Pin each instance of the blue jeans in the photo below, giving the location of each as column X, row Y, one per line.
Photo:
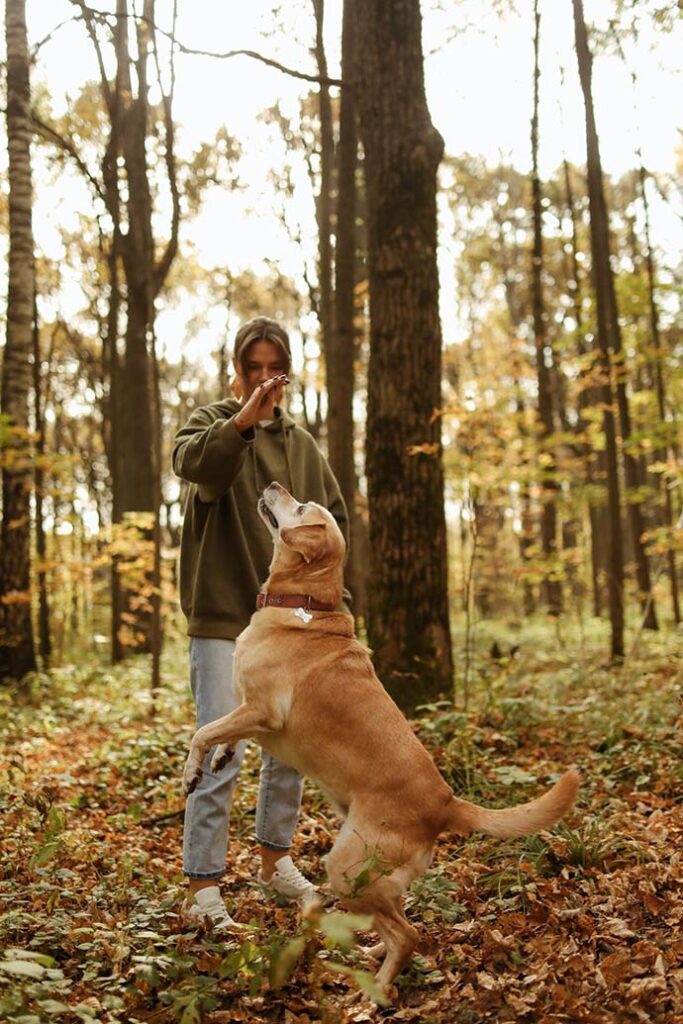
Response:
column 207, row 811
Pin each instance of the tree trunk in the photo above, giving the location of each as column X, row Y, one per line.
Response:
column 600, row 231
column 408, row 623
column 133, row 440
column 44, row 640
column 138, row 261
column 17, row 654
column 552, row 588
column 601, row 272
column 340, row 354
column 588, row 396
column 660, row 454
column 324, row 199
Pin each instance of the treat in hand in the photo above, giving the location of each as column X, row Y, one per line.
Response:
column 259, row 404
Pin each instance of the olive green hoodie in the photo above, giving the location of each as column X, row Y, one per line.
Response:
column 226, row 548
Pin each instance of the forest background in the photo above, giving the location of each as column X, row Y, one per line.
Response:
column 481, row 277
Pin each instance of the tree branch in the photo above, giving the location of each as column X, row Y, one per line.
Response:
column 106, row 17
column 50, row 135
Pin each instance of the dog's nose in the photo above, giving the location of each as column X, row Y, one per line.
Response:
column 274, row 491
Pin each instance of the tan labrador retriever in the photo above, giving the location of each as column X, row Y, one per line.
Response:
column 311, row 697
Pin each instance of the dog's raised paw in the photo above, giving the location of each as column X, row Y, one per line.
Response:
column 222, row 756
column 191, row 778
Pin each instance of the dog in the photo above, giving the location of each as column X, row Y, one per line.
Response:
column 311, row 697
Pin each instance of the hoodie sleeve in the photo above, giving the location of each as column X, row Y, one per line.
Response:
column 209, row 451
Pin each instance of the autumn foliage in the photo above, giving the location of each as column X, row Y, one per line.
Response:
column 580, row 923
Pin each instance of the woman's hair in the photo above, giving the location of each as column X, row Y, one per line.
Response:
column 261, row 328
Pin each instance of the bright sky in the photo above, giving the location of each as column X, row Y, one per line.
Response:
column 479, row 91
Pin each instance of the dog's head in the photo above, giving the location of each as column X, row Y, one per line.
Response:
column 309, row 546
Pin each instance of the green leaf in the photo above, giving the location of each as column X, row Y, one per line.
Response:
column 366, row 982
column 510, row 774
column 29, row 954
column 44, row 854
column 23, row 968
column 53, row 1006
column 284, row 962
column 340, row 929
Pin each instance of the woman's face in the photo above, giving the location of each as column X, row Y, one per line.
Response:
column 261, row 361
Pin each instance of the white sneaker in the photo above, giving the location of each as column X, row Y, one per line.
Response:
column 208, row 909
column 286, row 880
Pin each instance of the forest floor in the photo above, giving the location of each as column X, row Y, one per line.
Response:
column 582, row 923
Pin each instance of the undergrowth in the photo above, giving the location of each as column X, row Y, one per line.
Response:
column 90, row 868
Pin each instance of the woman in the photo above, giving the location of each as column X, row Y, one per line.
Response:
column 228, row 452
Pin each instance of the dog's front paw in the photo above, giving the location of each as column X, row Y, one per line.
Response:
column 192, row 774
column 222, row 755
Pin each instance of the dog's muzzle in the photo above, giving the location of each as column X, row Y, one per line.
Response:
column 267, row 513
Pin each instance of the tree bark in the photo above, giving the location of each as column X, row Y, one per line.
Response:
column 17, row 653
column 408, row 623
column 588, row 396
column 552, row 588
column 661, row 453
column 133, row 444
column 324, row 202
column 44, row 640
column 611, row 323
column 601, row 273
column 340, row 354
column 138, row 260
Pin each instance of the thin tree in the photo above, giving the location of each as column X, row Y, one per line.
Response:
column 601, row 273
column 661, row 453
column 134, row 442
column 44, row 638
column 340, row 354
column 324, row 200
column 588, row 396
column 606, row 295
column 408, row 624
column 552, row 588
column 17, row 654
column 657, row 360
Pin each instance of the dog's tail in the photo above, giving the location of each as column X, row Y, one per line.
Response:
column 546, row 810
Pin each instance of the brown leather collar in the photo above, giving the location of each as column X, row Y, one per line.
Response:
column 293, row 601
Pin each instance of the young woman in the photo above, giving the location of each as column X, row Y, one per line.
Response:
column 228, row 452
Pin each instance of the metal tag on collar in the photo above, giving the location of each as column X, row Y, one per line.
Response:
column 304, row 613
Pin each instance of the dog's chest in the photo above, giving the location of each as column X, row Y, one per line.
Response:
column 257, row 668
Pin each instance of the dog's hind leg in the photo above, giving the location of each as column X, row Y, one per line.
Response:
column 370, row 884
column 398, row 937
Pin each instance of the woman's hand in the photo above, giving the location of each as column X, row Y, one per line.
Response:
column 261, row 402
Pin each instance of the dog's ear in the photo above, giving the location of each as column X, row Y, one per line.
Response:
column 308, row 539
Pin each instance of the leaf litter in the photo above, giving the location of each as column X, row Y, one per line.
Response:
column 582, row 923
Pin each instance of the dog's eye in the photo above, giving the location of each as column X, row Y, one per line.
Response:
column 301, row 509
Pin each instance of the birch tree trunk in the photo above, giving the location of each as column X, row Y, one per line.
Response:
column 17, row 654
column 408, row 625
